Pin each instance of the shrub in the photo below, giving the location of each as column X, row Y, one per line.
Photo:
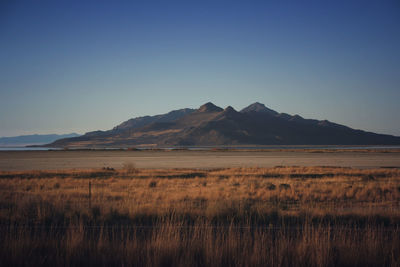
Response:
column 284, row 186
column 271, row 186
column 129, row 167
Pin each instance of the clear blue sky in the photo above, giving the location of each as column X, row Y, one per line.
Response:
column 76, row 66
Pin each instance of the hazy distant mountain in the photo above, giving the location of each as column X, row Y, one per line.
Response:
column 213, row 126
column 34, row 139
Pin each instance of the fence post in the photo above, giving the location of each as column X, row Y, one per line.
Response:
column 90, row 194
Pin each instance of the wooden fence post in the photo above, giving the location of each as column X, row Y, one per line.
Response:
column 90, row 194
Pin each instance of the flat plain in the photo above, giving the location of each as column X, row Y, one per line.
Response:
column 87, row 159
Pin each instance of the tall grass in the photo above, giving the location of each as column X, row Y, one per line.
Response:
column 201, row 244
column 283, row 216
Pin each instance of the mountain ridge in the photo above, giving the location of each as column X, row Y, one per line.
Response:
column 32, row 139
column 210, row 125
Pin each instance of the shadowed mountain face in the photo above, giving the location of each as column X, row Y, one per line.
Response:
column 213, row 126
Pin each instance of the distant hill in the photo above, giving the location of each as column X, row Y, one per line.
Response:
column 34, row 139
column 213, row 126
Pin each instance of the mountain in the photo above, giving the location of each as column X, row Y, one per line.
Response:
column 34, row 139
column 142, row 121
column 258, row 107
column 210, row 125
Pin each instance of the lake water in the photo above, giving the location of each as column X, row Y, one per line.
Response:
column 26, row 148
column 218, row 147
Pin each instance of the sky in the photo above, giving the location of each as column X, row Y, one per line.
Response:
column 79, row 66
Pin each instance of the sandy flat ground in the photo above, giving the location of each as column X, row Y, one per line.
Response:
column 52, row 160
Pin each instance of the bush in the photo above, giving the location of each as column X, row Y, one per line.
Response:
column 129, row 167
column 284, row 186
column 271, row 186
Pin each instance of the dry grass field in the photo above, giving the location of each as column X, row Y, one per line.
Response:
column 281, row 216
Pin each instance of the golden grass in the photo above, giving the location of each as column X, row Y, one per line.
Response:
column 318, row 190
column 282, row 216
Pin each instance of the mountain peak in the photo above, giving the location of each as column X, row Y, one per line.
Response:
column 209, row 107
column 258, row 107
column 229, row 109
